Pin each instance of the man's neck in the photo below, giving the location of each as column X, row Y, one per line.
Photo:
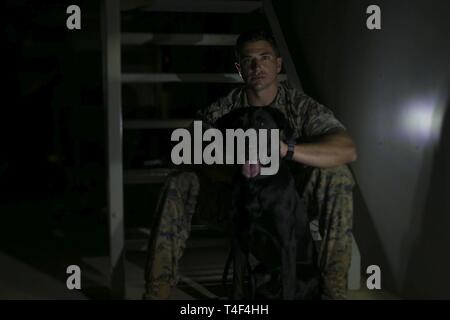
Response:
column 263, row 97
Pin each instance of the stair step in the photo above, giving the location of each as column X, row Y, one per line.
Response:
column 181, row 77
column 142, row 244
column 179, row 39
column 157, row 124
column 218, row 6
column 185, row 77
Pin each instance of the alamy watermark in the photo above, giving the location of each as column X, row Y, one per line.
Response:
column 373, row 22
column 374, row 280
column 74, row 20
column 235, row 140
column 74, row 279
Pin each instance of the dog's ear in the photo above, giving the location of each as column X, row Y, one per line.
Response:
column 287, row 132
column 224, row 122
column 232, row 120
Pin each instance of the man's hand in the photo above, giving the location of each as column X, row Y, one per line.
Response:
column 283, row 149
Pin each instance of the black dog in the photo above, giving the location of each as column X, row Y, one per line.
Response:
column 270, row 230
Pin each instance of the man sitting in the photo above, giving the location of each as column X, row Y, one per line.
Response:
column 326, row 183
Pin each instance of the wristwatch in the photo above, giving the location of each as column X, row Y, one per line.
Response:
column 290, row 152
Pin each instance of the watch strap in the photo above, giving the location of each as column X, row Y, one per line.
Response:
column 290, row 152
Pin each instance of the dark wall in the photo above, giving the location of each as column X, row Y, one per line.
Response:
column 390, row 88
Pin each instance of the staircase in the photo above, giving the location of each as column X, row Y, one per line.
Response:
column 151, row 51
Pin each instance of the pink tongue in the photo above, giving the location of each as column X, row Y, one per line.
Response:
column 250, row 170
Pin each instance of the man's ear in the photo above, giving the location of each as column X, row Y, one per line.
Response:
column 279, row 64
column 238, row 68
column 278, row 117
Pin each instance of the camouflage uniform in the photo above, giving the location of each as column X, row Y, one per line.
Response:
column 327, row 192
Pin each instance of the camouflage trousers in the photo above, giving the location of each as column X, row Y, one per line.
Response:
column 328, row 196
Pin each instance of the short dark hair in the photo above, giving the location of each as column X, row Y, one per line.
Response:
column 252, row 36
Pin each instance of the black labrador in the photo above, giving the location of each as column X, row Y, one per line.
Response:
column 271, row 239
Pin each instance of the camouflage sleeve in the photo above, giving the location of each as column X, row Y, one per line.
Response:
column 317, row 119
column 210, row 114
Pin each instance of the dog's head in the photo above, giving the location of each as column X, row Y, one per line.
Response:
column 256, row 118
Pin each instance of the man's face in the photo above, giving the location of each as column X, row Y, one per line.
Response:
column 259, row 65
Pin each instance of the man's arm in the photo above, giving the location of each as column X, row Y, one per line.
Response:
column 329, row 150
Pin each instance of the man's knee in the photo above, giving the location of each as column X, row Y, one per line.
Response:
column 177, row 199
column 183, row 180
column 339, row 177
column 323, row 184
column 183, row 186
